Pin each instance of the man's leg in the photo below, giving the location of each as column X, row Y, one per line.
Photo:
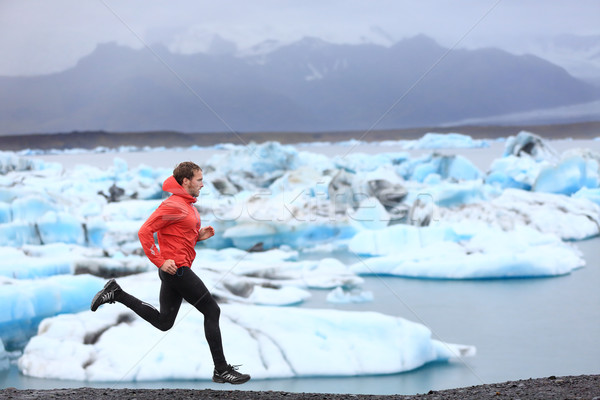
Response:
column 193, row 290
column 170, row 301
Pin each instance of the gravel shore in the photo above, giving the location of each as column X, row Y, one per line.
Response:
column 585, row 387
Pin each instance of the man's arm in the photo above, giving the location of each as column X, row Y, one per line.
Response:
column 153, row 224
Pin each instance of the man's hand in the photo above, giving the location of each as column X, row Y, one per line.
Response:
column 169, row 267
column 206, row 232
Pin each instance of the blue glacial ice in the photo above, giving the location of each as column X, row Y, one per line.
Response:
column 476, row 252
column 24, row 303
column 4, row 358
column 434, row 140
column 589, row 194
column 568, row 176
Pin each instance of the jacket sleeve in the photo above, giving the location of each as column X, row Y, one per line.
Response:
column 157, row 220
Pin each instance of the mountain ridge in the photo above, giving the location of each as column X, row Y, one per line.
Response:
column 310, row 85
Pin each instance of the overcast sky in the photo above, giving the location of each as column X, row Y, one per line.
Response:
column 42, row 36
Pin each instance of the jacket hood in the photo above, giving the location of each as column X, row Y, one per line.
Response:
column 172, row 186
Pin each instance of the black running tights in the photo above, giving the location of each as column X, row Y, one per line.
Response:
column 185, row 284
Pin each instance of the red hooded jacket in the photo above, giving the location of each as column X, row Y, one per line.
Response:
column 177, row 224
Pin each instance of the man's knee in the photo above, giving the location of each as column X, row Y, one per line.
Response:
column 165, row 325
column 213, row 312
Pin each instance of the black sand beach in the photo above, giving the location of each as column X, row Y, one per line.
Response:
column 569, row 387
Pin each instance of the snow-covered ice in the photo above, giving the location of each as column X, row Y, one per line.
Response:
column 271, row 342
column 479, row 253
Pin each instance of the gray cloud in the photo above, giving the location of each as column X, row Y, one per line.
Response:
column 38, row 36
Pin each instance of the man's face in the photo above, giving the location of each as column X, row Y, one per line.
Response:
column 193, row 186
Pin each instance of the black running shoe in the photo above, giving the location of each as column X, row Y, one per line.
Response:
column 106, row 295
column 230, row 375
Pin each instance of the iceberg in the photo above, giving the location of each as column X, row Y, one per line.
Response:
column 60, row 227
column 17, row 264
column 234, row 272
column 447, row 167
column 527, row 144
column 479, row 252
column 569, row 176
column 341, row 296
column 400, row 238
column 570, row 218
column 514, row 172
column 434, row 140
column 530, row 163
column 451, row 194
column 24, row 303
column 30, row 208
column 10, row 161
column 590, row 194
column 271, row 342
column 4, row 360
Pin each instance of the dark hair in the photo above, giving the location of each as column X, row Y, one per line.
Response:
column 184, row 170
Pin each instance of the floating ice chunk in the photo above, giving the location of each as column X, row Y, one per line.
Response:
column 18, row 233
column 568, row 176
column 10, row 161
column 450, row 194
column 286, row 219
column 61, row 227
column 5, row 213
column 445, row 141
column 399, row 238
column 370, row 214
column 273, row 269
column 514, row 172
column 570, row 218
column 259, row 164
column 527, row 144
column 590, row 194
column 488, row 253
column 270, row 342
column 118, row 265
column 305, row 178
column 4, row 361
column 7, row 195
column 328, row 273
column 341, row 296
column 31, row 208
column 95, row 229
column 23, row 304
column 248, row 234
column 130, row 210
column 360, row 162
column 286, row 296
column 453, row 167
column 18, row 265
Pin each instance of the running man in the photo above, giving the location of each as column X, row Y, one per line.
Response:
column 177, row 224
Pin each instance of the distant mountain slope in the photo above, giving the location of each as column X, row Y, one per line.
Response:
column 310, row 85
